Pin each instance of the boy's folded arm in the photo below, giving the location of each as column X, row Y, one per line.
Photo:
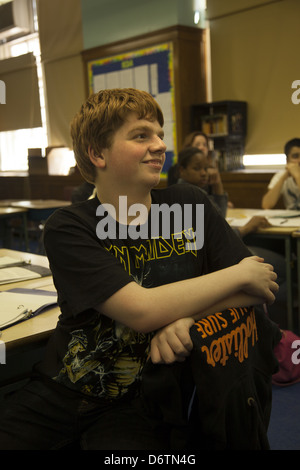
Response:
column 148, row 309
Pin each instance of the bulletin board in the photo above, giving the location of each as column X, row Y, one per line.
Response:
column 149, row 69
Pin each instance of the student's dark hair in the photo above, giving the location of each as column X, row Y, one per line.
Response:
column 184, row 157
column 291, row 143
column 186, row 154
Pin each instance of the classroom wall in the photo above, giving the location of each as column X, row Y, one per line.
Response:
column 254, row 50
column 106, row 21
column 68, row 28
column 254, row 58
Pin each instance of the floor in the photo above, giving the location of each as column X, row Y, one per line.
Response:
column 284, row 428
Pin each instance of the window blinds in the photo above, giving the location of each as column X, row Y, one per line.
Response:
column 22, row 103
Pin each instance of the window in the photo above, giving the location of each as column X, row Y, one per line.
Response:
column 14, row 144
column 267, row 161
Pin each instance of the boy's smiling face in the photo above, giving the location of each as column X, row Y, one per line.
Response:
column 137, row 154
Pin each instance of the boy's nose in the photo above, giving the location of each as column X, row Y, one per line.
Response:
column 158, row 145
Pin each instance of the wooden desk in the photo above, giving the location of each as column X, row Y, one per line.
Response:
column 37, row 328
column 38, row 209
column 25, row 342
column 286, row 235
column 38, row 204
column 34, row 203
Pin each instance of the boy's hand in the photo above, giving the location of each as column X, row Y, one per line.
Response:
column 294, row 170
column 214, row 176
column 214, row 179
column 261, row 278
column 173, row 342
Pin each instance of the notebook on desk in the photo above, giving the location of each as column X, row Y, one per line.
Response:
column 14, row 270
column 17, row 305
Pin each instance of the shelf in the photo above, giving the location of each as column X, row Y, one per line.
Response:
column 225, row 123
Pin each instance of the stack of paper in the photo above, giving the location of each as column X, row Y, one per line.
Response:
column 15, row 270
column 276, row 217
column 20, row 304
column 16, row 274
column 279, row 217
column 8, row 261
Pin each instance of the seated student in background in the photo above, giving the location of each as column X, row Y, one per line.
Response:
column 286, row 183
column 120, row 299
column 197, row 139
column 193, row 168
column 200, row 140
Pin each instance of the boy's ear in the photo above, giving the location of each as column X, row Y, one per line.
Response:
column 96, row 158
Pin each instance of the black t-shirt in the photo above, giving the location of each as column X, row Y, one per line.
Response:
column 88, row 351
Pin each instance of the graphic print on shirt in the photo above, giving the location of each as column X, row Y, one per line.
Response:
column 107, row 358
column 226, row 336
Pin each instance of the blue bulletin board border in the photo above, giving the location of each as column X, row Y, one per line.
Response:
column 160, row 55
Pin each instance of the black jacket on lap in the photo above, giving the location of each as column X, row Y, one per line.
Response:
column 220, row 397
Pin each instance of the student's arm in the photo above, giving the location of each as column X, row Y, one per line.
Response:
column 270, row 199
column 215, row 181
column 146, row 310
column 255, row 223
column 173, row 342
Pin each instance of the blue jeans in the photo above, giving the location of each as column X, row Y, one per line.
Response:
column 39, row 417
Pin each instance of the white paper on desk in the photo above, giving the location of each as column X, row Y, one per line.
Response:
column 238, row 222
column 281, row 217
column 6, row 261
column 282, row 222
column 275, row 222
column 278, row 213
column 14, row 303
column 16, row 274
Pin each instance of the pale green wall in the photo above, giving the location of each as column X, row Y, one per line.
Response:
column 106, row 21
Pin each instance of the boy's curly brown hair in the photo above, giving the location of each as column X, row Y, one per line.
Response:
column 101, row 116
